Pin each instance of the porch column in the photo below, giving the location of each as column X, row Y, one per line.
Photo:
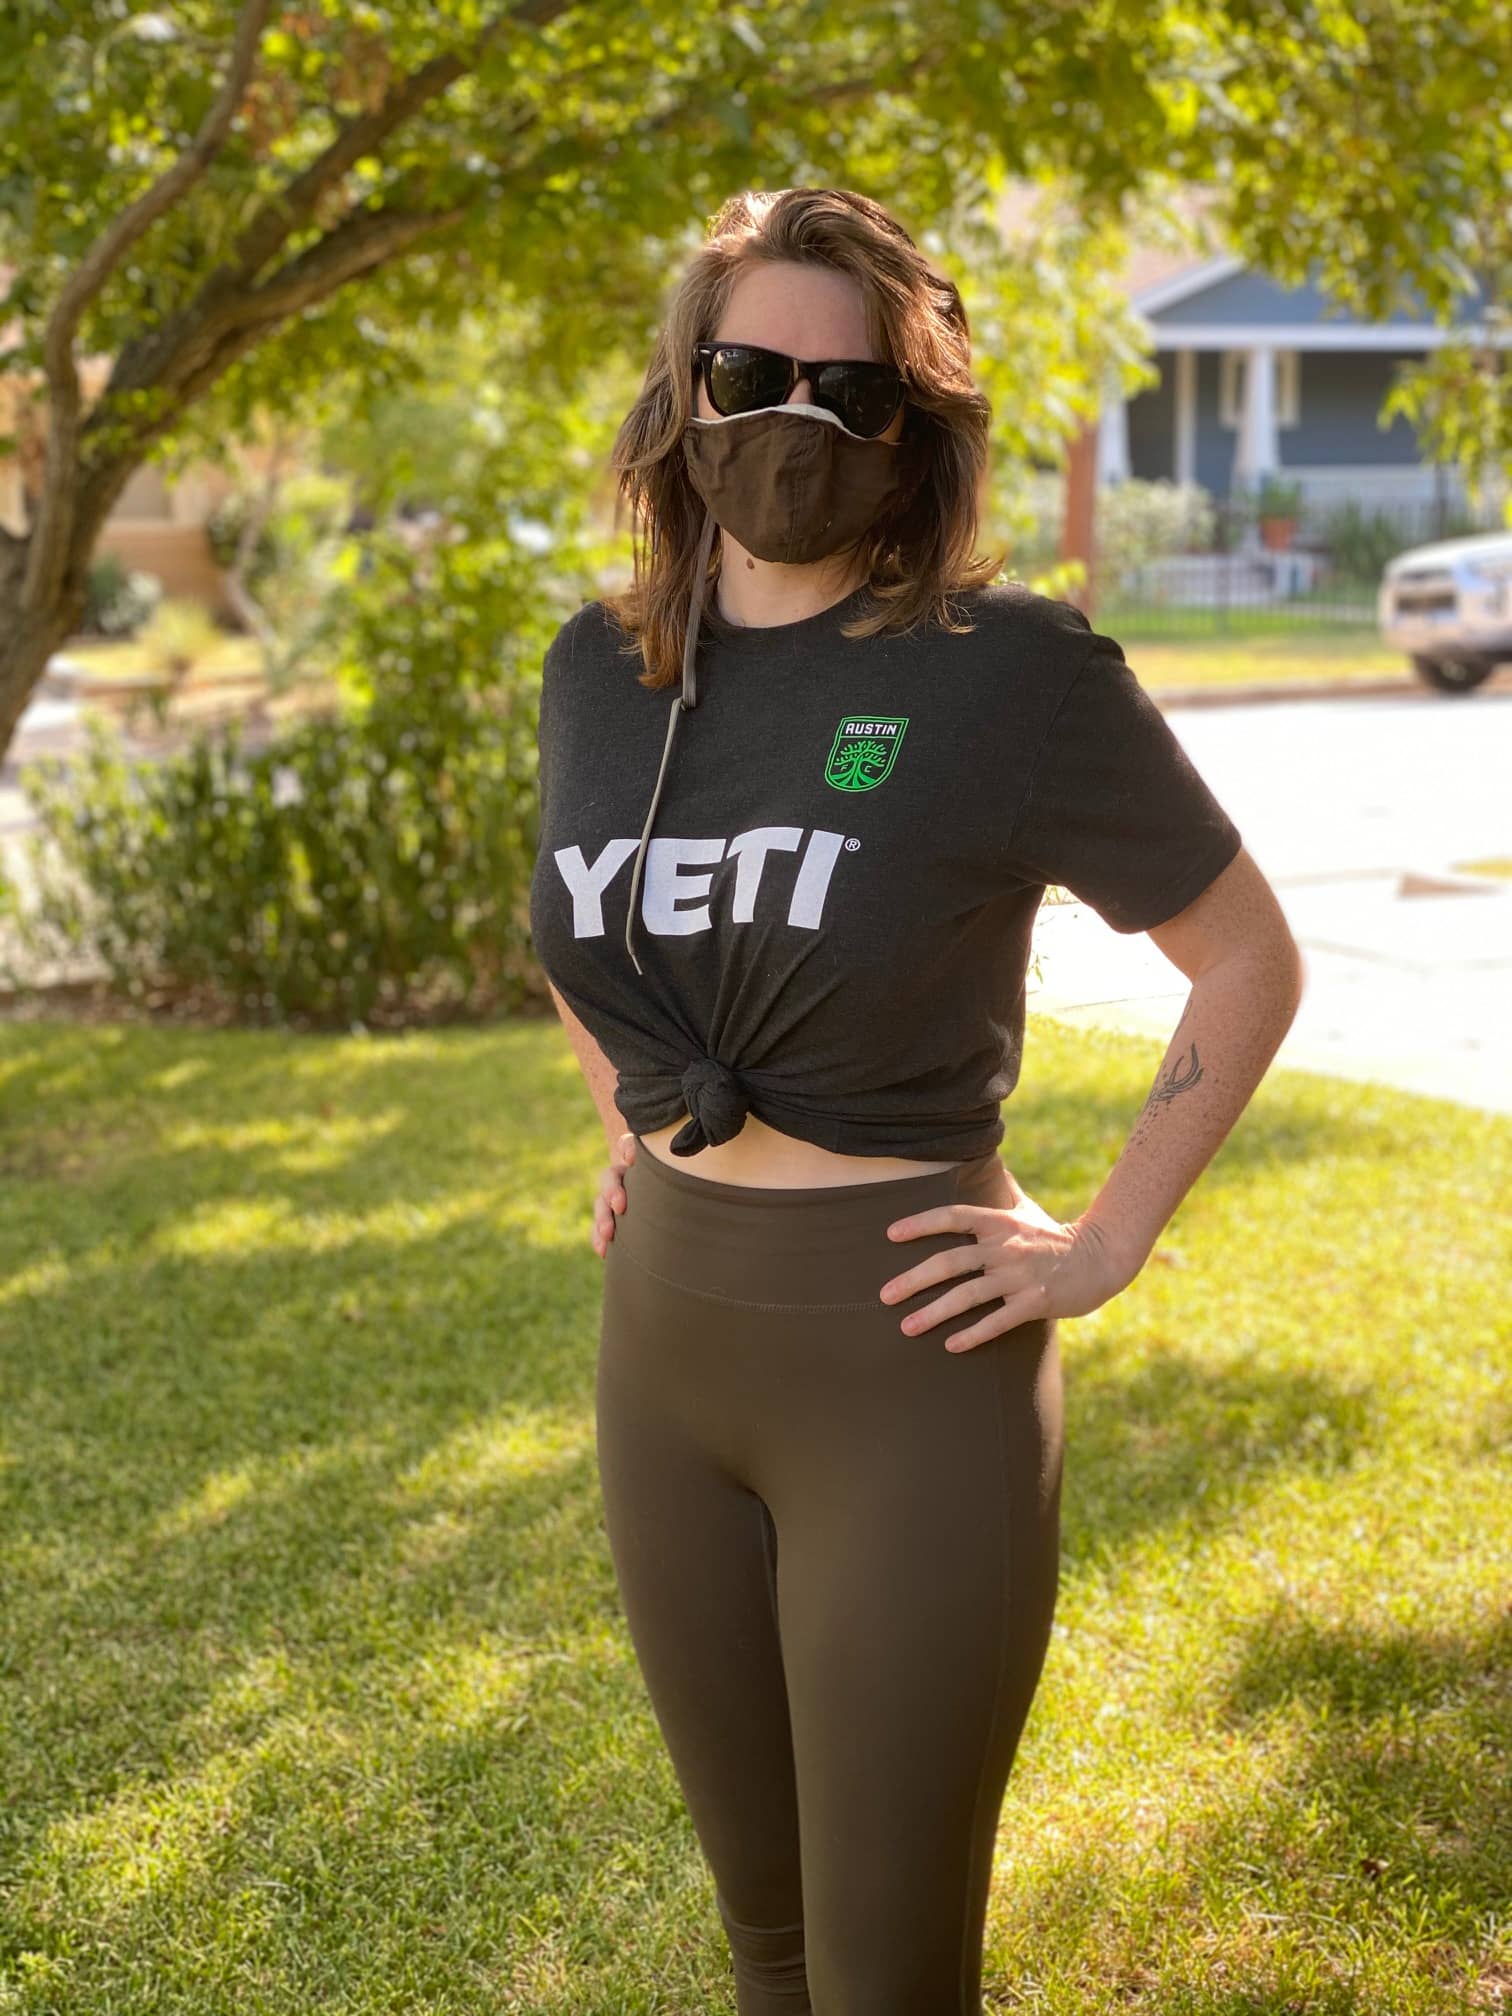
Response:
column 1184, row 458
column 1112, row 434
column 1258, row 452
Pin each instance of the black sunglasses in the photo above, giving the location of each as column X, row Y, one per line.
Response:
column 740, row 377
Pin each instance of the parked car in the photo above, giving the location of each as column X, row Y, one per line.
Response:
column 1449, row 607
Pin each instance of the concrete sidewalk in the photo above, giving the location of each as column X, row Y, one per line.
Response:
column 1355, row 811
column 1414, row 992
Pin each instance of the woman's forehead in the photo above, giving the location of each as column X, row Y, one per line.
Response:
column 806, row 310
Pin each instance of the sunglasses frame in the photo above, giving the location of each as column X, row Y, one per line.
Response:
column 797, row 367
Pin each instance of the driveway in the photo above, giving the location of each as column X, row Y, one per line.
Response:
column 1353, row 808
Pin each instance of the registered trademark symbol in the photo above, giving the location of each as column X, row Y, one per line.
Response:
column 851, row 846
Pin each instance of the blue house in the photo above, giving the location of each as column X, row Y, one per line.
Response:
column 1257, row 379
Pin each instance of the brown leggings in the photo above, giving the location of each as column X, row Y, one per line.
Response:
column 838, row 1549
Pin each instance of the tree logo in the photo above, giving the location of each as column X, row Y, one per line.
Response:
column 864, row 750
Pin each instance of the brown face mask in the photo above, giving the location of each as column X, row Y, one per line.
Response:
column 792, row 482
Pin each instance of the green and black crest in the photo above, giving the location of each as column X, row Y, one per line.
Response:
column 864, row 751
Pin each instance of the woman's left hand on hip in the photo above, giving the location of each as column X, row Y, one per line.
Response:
column 1039, row 1267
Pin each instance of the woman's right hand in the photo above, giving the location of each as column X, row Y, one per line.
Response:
column 611, row 1194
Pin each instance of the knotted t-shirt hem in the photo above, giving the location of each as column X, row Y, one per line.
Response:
column 934, row 1142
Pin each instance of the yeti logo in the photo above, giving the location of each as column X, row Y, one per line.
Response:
column 863, row 751
column 674, row 893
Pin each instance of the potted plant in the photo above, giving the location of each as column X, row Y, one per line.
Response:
column 1276, row 508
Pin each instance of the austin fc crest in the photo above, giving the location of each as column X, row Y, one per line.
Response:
column 864, row 751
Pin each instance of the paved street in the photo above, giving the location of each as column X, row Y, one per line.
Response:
column 1342, row 802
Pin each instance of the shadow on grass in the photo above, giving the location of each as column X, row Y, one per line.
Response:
column 311, row 1624
column 1360, row 1868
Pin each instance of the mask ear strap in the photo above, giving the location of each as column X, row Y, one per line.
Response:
column 687, row 699
column 695, row 611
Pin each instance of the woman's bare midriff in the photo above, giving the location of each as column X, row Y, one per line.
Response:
column 760, row 1156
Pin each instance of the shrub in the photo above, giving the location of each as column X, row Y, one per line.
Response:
column 223, row 529
column 1137, row 521
column 118, row 599
column 177, row 635
column 1360, row 542
column 363, row 868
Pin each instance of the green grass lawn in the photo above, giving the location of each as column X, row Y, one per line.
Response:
column 230, row 656
column 316, row 1690
column 1178, row 649
column 1167, row 648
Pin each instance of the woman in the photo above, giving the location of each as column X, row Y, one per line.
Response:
column 787, row 921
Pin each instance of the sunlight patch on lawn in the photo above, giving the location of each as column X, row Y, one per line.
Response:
column 233, row 1228
column 302, row 1141
column 483, row 1456
column 46, row 1275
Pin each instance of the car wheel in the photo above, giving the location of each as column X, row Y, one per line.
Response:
column 1453, row 675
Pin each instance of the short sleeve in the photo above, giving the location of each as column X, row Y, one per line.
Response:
column 1116, row 811
column 555, row 664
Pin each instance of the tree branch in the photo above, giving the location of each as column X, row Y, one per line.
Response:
column 50, row 535
column 271, row 225
column 365, row 240
column 359, row 242
column 150, row 359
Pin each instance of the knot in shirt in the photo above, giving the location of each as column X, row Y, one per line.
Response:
column 717, row 1106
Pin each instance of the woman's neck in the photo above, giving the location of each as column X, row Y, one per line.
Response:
column 754, row 594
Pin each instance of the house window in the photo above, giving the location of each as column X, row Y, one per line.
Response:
column 1231, row 368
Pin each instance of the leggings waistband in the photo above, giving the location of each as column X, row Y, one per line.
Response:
column 817, row 1246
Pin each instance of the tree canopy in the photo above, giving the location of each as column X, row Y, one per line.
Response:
column 274, row 207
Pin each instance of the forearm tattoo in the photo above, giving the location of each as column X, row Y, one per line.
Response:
column 1178, row 1077
column 1181, row 1077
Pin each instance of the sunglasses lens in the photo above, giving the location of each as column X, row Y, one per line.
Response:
column 864, row 395
column 740, row 379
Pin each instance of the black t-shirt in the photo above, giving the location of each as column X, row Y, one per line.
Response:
column 853, row 838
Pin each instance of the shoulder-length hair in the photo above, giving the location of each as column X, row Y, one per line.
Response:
column 916, row 553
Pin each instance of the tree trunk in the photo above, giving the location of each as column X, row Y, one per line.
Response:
column 28, row 638
column 1079, row 521
column 32, row 628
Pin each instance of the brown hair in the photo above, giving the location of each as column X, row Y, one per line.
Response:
column 916, row 553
